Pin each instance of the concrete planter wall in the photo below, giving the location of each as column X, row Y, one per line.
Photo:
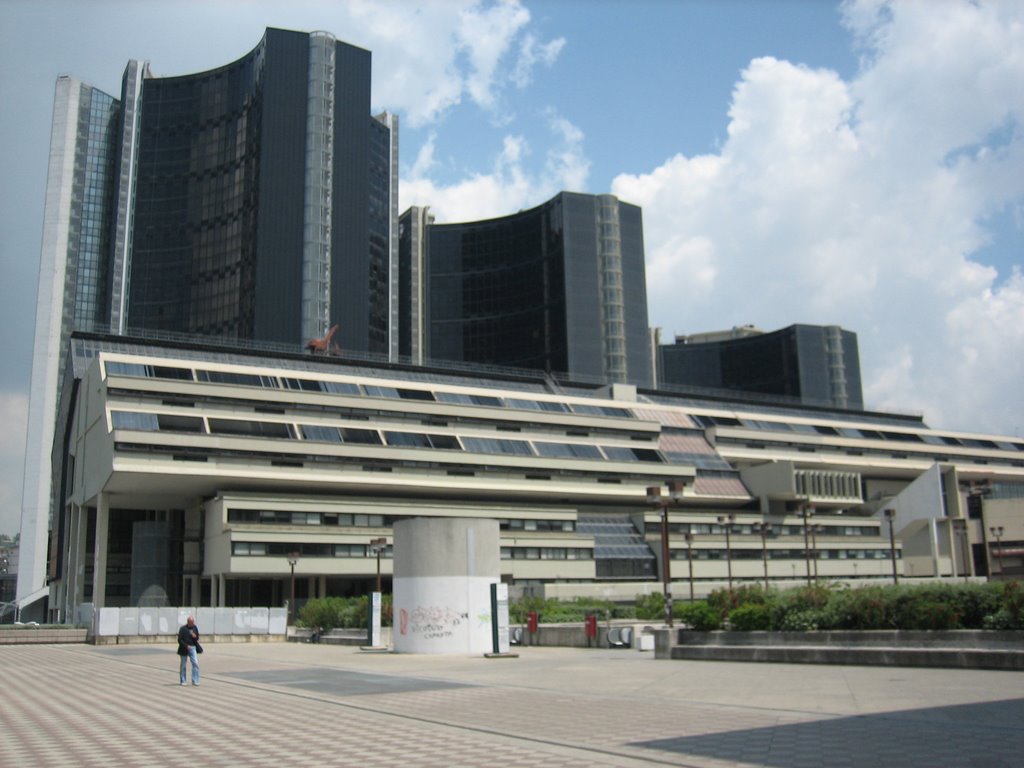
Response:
column 617, row 634
column 43, row 635
column 957, row 638
column 963, row 649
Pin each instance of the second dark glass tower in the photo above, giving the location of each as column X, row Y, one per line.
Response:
column 558, row 288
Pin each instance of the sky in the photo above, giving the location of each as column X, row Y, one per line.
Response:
column 851, row 163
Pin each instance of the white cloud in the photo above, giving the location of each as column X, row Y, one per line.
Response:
column 566, row 162
column 425, row 161
column 429, row 57
column 531, row 53
column 485, row 34
column 861, row 203
column 510, row 184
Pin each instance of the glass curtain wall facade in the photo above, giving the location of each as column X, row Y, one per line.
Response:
column 383, row 276
column 193, row 259
column 262, row 199
column 559, row 288
column 413, row 226
column 817, row 365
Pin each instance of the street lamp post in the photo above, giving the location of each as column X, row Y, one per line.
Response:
column 377, row 546
column 890, row 515
column 764, row 529
column 815, row 530
column 654, row 497
column 997, row 531
column 727, row 521
column 293, row 558
column 689, row 559
column 806, row 512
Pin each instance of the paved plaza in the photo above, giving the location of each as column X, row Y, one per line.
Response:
column 276, row 704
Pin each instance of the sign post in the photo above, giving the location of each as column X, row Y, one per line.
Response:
column 373, row 626
column 499, row 620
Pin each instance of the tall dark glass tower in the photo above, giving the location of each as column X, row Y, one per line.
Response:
column 252, row 203
column 559, row 288
column 256, row 201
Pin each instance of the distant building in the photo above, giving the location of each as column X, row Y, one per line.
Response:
column 558, row 288
column 8, row 582
column 811, row 364
column 256, row 202
column 736, row 332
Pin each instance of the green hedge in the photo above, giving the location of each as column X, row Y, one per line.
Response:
column 992, row 605
column 699, row 615
column 554, row 611
column 347, row 612
column 834, row 606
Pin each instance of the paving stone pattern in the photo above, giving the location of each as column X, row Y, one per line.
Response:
column 275, row 704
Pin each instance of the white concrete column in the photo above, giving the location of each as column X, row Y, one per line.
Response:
column 59, row 589
column 443, row 569
column 933, row 537
column 99, row 556
column 954, row 552
column 321, row 590
column 62, row 591
column 69, row 557
column 222, row 589
column 80, row 528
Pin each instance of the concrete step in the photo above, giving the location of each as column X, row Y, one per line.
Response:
column 961, row 658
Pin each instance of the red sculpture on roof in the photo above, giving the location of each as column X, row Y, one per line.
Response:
column 324, row 346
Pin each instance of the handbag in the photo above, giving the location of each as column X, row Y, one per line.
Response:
column 199, row 648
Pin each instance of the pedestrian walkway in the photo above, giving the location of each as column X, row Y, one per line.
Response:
column 274, row 704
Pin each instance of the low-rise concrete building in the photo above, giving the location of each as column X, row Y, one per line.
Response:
column 204, row 475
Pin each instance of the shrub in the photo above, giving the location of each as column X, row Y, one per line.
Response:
column 700, row 616
column 585, row 606
column 327, row 612
column 651, row 607
column 863, row 608
column 1010, row 611
column 814, row 597
column 555, row 611
column 975, row 602
column 726, row 600
column 751, row 618
column 1003, row 620
column 933, row 614
column 1013, row 598
column 518, row 609
column 801, row 621
column 806, row 604
column 348, row 612
column 907, row 607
